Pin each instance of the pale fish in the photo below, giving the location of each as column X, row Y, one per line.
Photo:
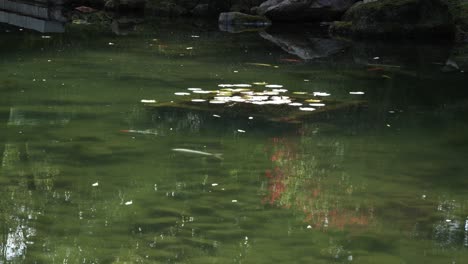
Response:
column 259, row 64
column 197, row 152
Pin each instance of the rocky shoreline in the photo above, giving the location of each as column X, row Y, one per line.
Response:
column 381, row 19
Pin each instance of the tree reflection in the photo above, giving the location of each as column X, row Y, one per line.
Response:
column 307, row 180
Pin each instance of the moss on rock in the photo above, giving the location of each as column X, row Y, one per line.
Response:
column 397, row 18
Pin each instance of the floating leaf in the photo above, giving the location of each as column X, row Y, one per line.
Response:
column 321, row 94
column 295, row 104
column 148, row 101
column 217, row 102
column 313, row 101
column 242, row 85
column 274, row 86
column 306, row 108
column 181, row 93
column 201, row 92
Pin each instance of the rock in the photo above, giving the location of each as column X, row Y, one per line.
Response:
column 305, row 46
column 124, row 4
column 304, row 10
column 237, row 18
column 396, row 19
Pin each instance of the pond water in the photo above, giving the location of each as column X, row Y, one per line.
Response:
column 91, row 174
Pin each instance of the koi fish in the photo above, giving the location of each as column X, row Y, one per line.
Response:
column 143, row 132
column 197, row 152
column 259, row 64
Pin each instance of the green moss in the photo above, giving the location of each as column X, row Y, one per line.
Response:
column 341, row 28
column 399, row 18
column 342, row 25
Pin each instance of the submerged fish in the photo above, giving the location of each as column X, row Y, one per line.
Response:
column 143, row 132
column 259, row 64
column 196, row 152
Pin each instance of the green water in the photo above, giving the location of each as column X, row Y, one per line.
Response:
column 384, row 183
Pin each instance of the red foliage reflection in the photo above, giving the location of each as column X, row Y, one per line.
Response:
column 293, row 185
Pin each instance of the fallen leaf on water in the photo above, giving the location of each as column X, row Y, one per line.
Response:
column 182, row 93
column 321, row 94
column 148, row 101
column 313, row 101
column 306, row 108
column 217, row 102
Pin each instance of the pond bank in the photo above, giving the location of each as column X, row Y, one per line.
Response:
column 389, row 19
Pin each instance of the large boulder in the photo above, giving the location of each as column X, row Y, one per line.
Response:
column 304, row 10
column 396, row 19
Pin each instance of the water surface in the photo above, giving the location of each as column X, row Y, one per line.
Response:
column 89, row 174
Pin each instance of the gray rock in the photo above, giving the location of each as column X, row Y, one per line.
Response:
column 304, row 46
column 235, row 22
column 304, row 10
column 237, row 18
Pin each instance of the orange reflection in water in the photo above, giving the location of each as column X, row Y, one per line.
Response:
column 294, row 183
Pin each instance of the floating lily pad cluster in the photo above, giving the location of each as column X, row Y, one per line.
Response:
column 275, row 94
column 270, row 101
